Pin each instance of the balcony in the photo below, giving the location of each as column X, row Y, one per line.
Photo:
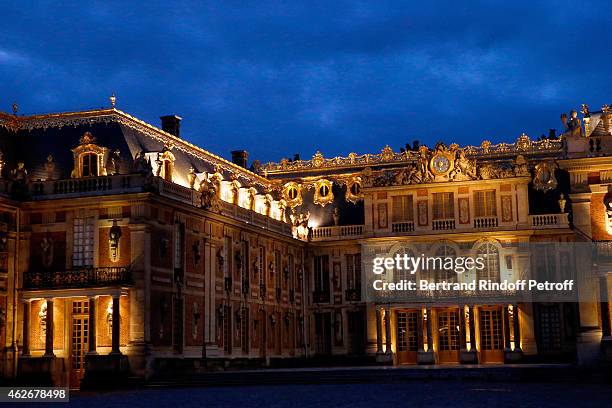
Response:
column 336, row 232
column 443, row 225
column 87, row 186
column 486, row 222
column 548, row 221
column 320, row 296
column 402, row 227
column 77, row 278
column 353, row 295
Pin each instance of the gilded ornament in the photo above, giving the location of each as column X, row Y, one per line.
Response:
column 386, row 154
column 323, row 194
column 292, row 193
column 317, row 159
column 523, row 142
column 544, row 179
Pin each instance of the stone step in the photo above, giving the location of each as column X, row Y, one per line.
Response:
column 540, row 372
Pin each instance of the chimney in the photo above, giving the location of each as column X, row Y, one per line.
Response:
column 240, row 157
column 171, row 124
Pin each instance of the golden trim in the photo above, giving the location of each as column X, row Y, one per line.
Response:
column 323, row 185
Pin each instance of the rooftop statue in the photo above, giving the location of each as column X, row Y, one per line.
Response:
column 573, row 125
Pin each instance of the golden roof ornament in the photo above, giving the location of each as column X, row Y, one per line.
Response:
column 113, row 100
column 522, row 142
column 87, row 138
column 15, row 108
column 387, row 153
column 485, row 146
column 317, row 159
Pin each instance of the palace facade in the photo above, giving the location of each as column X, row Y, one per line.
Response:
column 127, row 251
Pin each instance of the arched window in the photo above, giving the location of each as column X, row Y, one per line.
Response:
column 442, row 254
column 89, row 165
column 88, row 158
column 490, row 255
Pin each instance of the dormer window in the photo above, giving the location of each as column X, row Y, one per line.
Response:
column 88, row 158
column 165, row 163
column 89, row 165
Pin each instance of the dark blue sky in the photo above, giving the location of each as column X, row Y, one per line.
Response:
column 282, row 78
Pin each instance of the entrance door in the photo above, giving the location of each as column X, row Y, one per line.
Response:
column 491, row 335
column 323, row 333
column 356, row 332
column 407, row 340
column 79, row 341
column 448, row 336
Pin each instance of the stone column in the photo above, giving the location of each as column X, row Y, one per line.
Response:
column 388, row 330
column 605, row 308
column 49, row 330
column 25, row 351
column 472, row 329
column 462, row 331
column 517, row 328
column 116, row 328
column 379, row 348
column 420, row 330
column 506, row 312
column 92, row 326
column 429, row 336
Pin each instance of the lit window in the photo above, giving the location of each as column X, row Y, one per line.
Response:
column 89, row 165
column 402, row 208
column 490, row 255
column 82, row 242
column 443, row 206
column 484, row 203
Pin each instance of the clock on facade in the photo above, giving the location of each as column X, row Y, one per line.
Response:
column 441, row 164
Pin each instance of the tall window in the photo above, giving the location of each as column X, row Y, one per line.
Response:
column 321, row 273
column 179, row 245
column 261, row 265
column 441, row 274
column 291, row 269
column 227, row 257
column 82, row 242
column 484, row 203
column 353, row 271
column 490, row 254
column 89, row 165
column 402, row 208
column 443, row 206
column 277, row 269
column 245, row 264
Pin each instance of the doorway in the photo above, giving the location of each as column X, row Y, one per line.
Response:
column 449, row 331
column 79, row 341
column 491, row 335
column 407, row 336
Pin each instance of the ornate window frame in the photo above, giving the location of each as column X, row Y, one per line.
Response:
column 86, row 148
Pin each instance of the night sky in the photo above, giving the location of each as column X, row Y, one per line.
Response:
column 283, row 78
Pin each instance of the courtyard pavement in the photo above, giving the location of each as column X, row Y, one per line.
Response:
column 451, row 393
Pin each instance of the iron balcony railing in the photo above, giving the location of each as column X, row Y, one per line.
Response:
column 86, row 277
